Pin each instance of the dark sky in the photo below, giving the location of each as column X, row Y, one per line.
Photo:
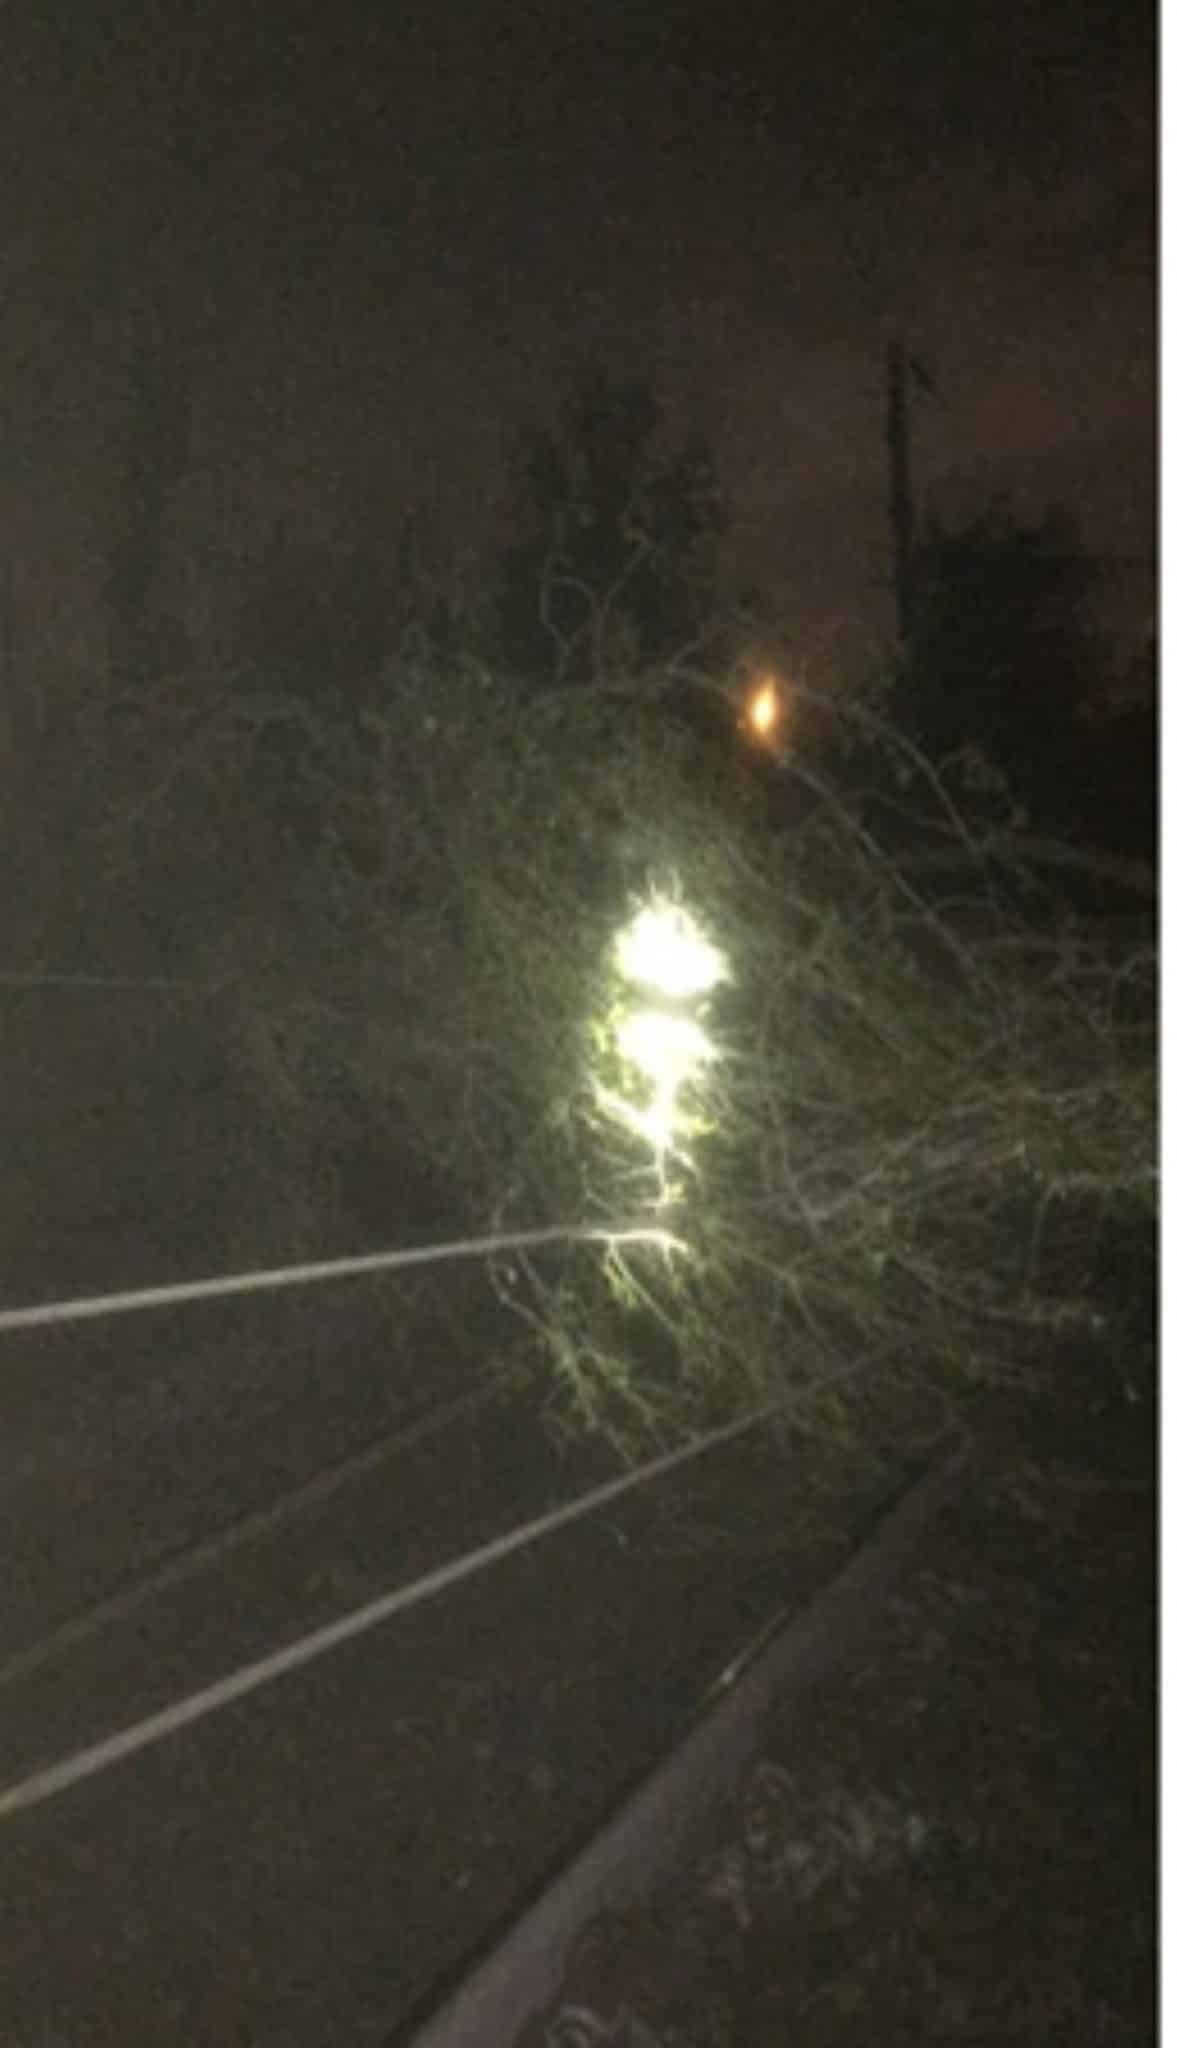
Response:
column 386, row 232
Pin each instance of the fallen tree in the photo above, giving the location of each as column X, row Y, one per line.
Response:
column 922, row 1091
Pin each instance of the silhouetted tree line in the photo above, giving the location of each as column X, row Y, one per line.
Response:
column 611, row 567
column 615, row 564
column 614, row 561
column 1003, row 659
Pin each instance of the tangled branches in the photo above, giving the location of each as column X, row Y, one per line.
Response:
column 931, row 1088
column 933, row 1085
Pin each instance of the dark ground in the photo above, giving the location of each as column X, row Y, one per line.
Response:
column 303, row 1867
column 952, row 1839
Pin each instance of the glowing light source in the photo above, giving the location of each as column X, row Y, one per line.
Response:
column 664, row 954
column 764, row 711
column 666, row 1047
column 663, row 950
column 668, row 1052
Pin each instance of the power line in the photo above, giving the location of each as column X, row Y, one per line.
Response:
column 186, row 1563
column 134, row 1299
column 101, row 1756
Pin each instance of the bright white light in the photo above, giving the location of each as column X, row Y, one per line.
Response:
column 661, row 1240
column 659, row 1036
column 657, row 1122
column 664, row 950
column 669, row 1049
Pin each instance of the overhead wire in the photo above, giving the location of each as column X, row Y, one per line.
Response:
column 55, row 1778
column 193, row 1558
column 135, row 1299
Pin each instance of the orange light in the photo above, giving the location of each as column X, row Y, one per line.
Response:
column 765, row 710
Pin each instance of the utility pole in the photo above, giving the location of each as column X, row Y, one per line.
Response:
column 901, row 368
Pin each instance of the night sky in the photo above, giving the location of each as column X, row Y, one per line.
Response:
column 382, row 236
